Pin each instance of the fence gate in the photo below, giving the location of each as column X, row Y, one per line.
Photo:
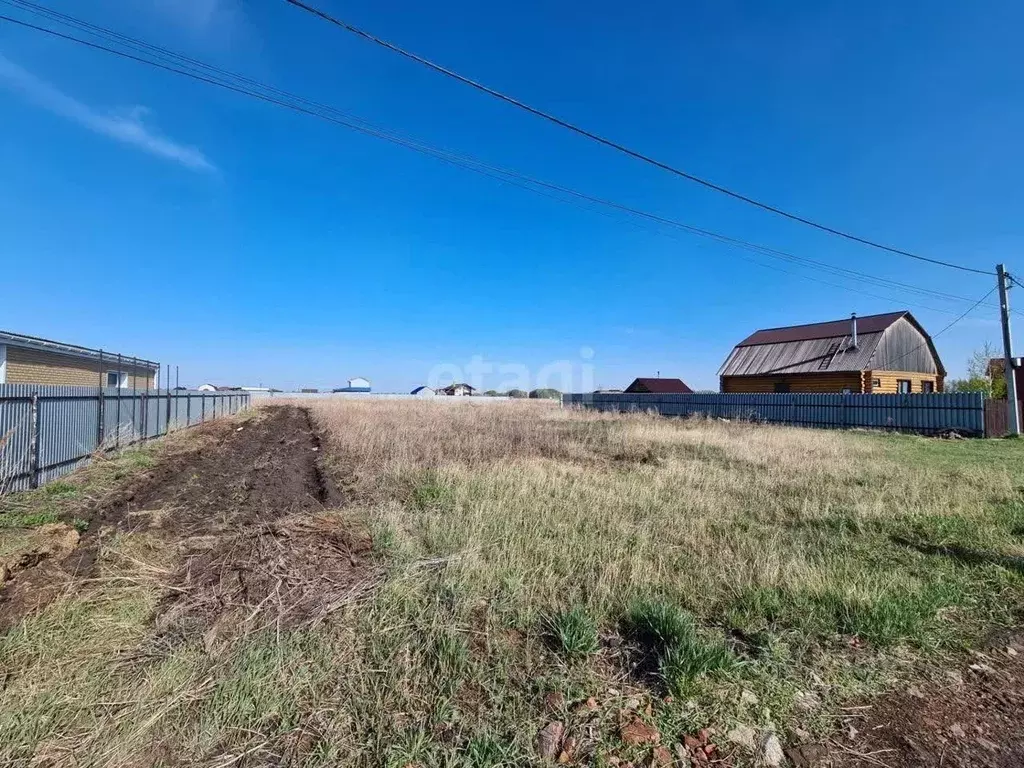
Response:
column 997, row 418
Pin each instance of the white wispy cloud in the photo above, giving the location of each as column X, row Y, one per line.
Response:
column 127, row 128
column 200, row 16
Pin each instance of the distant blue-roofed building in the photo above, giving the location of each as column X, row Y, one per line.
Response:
column 358, row 384
column 423, row 392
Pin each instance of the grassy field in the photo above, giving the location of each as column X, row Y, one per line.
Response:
column 617, row 575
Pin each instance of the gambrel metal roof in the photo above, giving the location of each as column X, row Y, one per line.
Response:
column 893, row 341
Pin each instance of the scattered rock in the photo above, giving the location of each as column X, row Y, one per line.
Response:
column 1011, row 651
column 554, row 701
column 983, row 669
column 958, row 731
column 568, row 752
column 661, row 756
column 586, row 709
column 633, row 702
column 984, row 743
column 769, row 750
column 808, row 756
column 749, row 698
column 550, row 739
column 916, row 692
column 806, row 702
column 636, row 731
column 744, row 736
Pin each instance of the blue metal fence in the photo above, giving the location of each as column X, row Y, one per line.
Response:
column 926, row 414
column 48, row 431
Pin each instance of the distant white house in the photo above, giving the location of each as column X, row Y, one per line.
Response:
column 207, row 388
column 457, row 390
column 357, row 384
column 423, row 392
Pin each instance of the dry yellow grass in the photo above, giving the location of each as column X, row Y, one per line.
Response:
column 523, row 547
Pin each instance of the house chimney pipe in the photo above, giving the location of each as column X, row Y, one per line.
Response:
column 853, row 329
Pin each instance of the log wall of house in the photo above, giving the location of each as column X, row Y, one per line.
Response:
column 888, row 381
column 834, row 381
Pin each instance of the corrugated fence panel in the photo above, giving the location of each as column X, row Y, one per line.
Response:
column 156, row 416
column 16, row 434
column 923, row 413
column 68, row 425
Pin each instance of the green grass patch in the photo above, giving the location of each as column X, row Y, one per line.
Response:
column 574, row 632
column 671, row 635
column 27, row 519
column 431, row 491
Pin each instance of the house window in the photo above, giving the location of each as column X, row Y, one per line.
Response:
column 116, row 380
column 876, row 383
column 927, row 387
column 782, row 387
column 903, row 386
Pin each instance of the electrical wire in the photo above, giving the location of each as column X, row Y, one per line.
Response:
column 890, row 363
column 212, row 75
column 620, row 147
column 977, row 304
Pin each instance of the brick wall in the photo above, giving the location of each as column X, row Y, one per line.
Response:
column 32, row 366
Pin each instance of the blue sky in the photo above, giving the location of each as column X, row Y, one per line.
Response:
column 153, row 215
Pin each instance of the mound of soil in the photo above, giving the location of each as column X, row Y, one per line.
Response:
column 242, row 503
column 286, row 573
column 33, row 577
column 971, row 719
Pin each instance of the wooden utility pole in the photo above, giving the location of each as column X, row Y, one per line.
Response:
column 1011, row 374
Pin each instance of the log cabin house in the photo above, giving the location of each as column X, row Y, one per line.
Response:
column 890, row 353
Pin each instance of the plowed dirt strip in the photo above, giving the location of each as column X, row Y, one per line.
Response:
column 208, row 490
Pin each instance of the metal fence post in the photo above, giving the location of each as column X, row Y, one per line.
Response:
column 100, row 413
column 117, row 427
column 167, row 426
column 33, row 442
column 136, row 421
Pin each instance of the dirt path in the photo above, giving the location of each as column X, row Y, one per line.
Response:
column 220, row 494
column 970, row 717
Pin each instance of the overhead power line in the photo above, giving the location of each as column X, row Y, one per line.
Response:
column 977, row 304
column 636, row 154
column 198, row 70
column 891, row 363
